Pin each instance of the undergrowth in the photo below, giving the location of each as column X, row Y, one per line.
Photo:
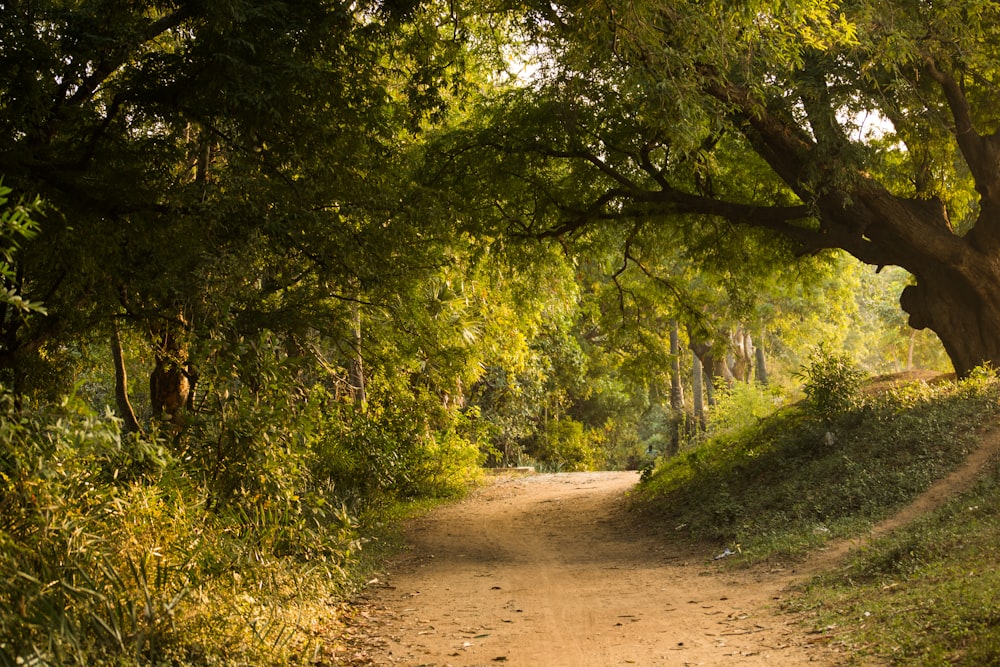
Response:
column 234, row 543
column 928, row 594
column 792, row 481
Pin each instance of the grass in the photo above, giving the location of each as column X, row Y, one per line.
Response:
column 794, row 480
column 928, row 594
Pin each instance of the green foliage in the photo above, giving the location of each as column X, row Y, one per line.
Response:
column 564, row 446
column 210, row 544
column 742, row 406
column 274, row 180
column 832, row 383
column 783, row 485
column 17, row 225
column 107, row 554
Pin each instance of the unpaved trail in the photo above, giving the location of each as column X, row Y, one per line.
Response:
column 549, row 570
column 552, row 570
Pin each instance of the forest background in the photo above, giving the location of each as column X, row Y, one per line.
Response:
column 354, row 252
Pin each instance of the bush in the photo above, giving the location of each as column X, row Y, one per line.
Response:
column 743, row 405
column 832, row 383
column 564, row 445
column 108, row 553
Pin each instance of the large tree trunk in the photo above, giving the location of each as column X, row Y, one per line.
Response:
column 957, row 293
column 957, row 290
column 965, row 317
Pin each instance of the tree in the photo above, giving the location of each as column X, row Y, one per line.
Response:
column 866, row 126
column 215, row 169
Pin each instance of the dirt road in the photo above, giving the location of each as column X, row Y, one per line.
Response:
column 550, row 570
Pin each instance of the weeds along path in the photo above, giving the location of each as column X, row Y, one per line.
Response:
column 551, row 570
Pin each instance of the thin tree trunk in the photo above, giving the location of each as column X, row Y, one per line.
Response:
column 357, row 368
column 760, row 365
column 709, row 388
column 708, row 364
column 909, row 349
column 741, row 354
column 129, row 423
column 676, row 388
column 698, row 373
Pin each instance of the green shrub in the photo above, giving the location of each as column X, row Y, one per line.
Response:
column 832, row 383
column 743, row 405
column 564, row 445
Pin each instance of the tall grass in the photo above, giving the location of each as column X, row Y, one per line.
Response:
column 229, row 544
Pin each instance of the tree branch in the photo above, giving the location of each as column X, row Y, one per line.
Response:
column 601, row 165
column 785, row 146
column 114, row 58
column 982, row 155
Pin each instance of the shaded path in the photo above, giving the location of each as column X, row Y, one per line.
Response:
column 550, row 570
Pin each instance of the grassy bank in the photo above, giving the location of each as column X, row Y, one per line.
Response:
column 804, row 476
column 928, row 594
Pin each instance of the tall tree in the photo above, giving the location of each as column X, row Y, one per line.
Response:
column 869, row 126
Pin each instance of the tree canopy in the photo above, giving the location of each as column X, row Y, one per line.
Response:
column 863, row 126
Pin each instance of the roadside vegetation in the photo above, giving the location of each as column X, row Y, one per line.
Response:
column 134, row 550
column 851, row 453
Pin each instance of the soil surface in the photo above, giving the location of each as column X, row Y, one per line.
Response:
column 552, row 570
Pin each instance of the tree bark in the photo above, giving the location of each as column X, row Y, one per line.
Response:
column 129, row 423
column 714, row 367
column 357, row 368
column 909, row 349
column 956, row 293
column 760, row 365
column 709, row 388
column 676, row 388
column 742, row 354
column 697, row 378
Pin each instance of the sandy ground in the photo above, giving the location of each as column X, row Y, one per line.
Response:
column 551, row 570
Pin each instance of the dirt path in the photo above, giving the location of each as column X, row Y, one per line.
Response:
column 551, row 570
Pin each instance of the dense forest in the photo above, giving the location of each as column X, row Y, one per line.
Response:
column 270, row 268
